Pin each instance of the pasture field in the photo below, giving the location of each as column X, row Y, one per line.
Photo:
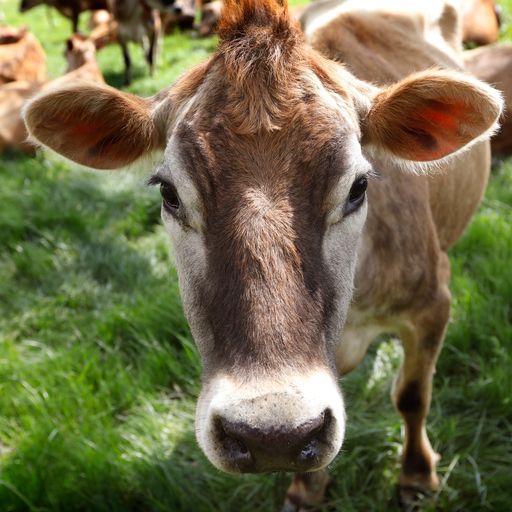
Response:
column 99, row 374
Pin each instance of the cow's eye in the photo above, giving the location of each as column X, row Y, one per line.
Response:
column 356, row 195
column 170, row 197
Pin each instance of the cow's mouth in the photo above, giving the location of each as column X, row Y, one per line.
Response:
column 274, row 425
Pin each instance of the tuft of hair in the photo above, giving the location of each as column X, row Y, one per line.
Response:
column 261, row 48
column 238, row 15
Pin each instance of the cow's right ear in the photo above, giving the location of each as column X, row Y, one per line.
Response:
column 93, row 125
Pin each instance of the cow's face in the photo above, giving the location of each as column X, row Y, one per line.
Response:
column 263, row 183
column 265, row 227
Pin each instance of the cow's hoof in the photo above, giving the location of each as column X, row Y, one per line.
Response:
column 412, row 498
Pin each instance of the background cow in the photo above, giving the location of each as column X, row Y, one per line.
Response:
column 81, row 66
column 493, row 64
column 21, row 56
column 69, row 8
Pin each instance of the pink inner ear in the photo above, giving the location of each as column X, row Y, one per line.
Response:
column 444, row 119
column 86, row 132
column 436, row 132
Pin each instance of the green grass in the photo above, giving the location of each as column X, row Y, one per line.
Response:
column 99, row 375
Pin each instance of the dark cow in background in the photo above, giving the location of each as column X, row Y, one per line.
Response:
column 69, row 8
column 139, row 22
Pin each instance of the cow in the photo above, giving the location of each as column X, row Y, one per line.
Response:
column 80, row 55
column 69, row 8
column 82, row 65
column 493, row 64
column 103, row 29
column 182, row 16
column 139, row 21
column 481, row 21
column 21, row 56
column 210, row 12
column 304, row 223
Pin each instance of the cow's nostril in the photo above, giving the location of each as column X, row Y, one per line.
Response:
column 233, row 447
column 251, row 448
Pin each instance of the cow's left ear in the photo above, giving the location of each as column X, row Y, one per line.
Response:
column 93, row 125
column 430, row 115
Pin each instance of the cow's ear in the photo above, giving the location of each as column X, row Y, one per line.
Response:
column 93, row 125
column 430, row 115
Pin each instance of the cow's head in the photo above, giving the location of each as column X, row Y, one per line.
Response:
column 263, row 183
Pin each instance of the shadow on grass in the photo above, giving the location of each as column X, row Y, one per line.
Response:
column 81, row 262
column 116, row 78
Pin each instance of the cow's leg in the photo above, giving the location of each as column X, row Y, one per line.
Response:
column 153, row 30
column 422, row 337
column 151, row 54
column 127, row 61
column 74, row 19
column 306, row 491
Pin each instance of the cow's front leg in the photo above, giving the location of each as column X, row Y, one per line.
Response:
column 127, row 61
column 422, row 336
column 306, row 491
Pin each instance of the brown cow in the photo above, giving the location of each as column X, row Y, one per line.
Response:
column 80, row 55
column 266, row 179
column 103, row 28
column 69, row 8
column 21, row 56
column 493, row 64
column 481, row 21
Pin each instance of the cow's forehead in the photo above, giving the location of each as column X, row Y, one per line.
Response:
column 315, row 146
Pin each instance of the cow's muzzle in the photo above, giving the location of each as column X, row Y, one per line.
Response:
column 271, row 426
column 253, row 450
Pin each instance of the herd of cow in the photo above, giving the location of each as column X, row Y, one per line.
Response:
column 22, row 60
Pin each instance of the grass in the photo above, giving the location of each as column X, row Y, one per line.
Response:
column 99, row 375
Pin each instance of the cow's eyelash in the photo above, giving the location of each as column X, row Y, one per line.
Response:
column 154, row 180
column 373, row 174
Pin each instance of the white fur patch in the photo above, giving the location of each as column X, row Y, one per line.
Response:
column 290, row 400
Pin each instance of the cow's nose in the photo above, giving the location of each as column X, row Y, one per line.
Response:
column 283, row 448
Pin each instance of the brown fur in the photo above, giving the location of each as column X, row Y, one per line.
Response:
column 493, row 64
column 103, row 28
column 262, row 66
column 372, row 45
column 98, row 127
column 428, row 128
column 21, row 56
column 80, row 55
column 265, row 135
column 273, row 264
column 481, row 21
